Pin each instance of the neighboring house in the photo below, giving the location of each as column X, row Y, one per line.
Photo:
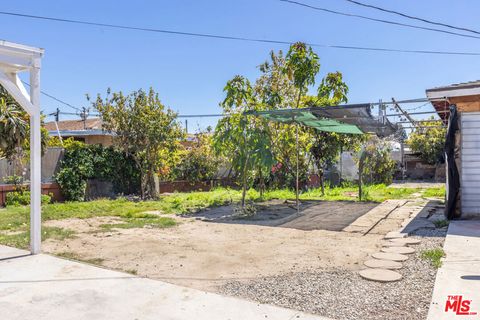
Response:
column 463, row 145
column 89, row 131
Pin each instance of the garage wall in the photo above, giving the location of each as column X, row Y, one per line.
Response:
column 470, row 163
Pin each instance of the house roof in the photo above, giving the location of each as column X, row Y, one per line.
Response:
column 439, row 95
column 74, row 125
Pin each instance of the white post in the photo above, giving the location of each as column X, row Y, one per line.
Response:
column 35, row 162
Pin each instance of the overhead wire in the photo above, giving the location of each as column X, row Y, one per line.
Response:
column 414, row 17
column 235, row 38
column 352, row 15
column 56, row 99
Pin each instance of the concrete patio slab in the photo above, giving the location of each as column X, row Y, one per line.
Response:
column 458, row 280
column 45, row 287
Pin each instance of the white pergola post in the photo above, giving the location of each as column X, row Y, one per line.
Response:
column 16, row 58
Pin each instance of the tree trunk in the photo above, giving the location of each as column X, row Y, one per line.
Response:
column 262, row 182
column 322, row 181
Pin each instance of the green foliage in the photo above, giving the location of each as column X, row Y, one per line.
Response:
column 429, row 141
column 146, row 130
column 379, row 166
column 15, row 180
column 21, row 239
column 434, row 256
column 302, row 65
column 15, row 128
column 198, row 161
column 82, row 162
column 244, row 140
column 441, row 223
column 18, row 198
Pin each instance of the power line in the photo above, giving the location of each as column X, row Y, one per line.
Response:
column 56, row 99
column 413, row 17
column 235, row 38
column 378, row 20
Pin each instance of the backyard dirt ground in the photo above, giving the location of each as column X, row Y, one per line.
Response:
column 307, row 261
column 212, row 247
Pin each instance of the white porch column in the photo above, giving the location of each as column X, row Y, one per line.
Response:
column 35, row 162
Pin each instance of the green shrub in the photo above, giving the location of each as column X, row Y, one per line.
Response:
column 82, row 162
column 23, row 198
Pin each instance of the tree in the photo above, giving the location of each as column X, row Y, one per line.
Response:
column 14, row 127
column 145, row 129
column 328, row 145
column 428, row 140
column 242, row 139
column 378, row 165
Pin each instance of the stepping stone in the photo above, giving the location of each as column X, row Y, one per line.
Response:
column 400, row 250
column 383, row 264
column 393, row 244
column 390, row 256
column 406, row 241
column 395, row 235
column 380, row 275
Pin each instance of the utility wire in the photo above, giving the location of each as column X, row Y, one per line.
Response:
column 378, row 20
column 56, row 99
column 223, row 37
column 413, row 17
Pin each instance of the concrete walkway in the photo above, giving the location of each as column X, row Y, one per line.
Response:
column 460, row 272
column 44, row 287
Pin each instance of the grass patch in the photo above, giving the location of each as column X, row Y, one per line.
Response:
column 21, row 239
column 434, row 192
column 434, row 256
column 152, row 222
column 441, row 223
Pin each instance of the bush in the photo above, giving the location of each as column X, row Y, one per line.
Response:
column 23, row 198
column 82, row 162
column 199, row 162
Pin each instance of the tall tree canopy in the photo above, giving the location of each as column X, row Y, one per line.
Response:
column 145, row 129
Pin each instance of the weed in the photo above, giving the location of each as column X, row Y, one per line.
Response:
column 434, row 256
column 441, row 223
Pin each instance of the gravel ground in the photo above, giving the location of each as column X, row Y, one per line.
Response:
column 343, row 294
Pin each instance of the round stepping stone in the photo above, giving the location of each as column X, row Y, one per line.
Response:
column 380, row 275
column 393, row 244
column 400, row 250
column 383, row 264
column 406, row 241
column 389, row 256
column 395, row 235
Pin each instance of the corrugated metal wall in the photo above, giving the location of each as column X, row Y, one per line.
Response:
column 470, row 163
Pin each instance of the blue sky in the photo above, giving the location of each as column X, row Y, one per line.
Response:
column 190, row 73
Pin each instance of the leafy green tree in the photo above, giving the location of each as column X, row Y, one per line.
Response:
column 428, row 140
column 146, row 130
column 241, row 139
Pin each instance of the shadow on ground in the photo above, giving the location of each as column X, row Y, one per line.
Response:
column 313, row 215
column 429, row 221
